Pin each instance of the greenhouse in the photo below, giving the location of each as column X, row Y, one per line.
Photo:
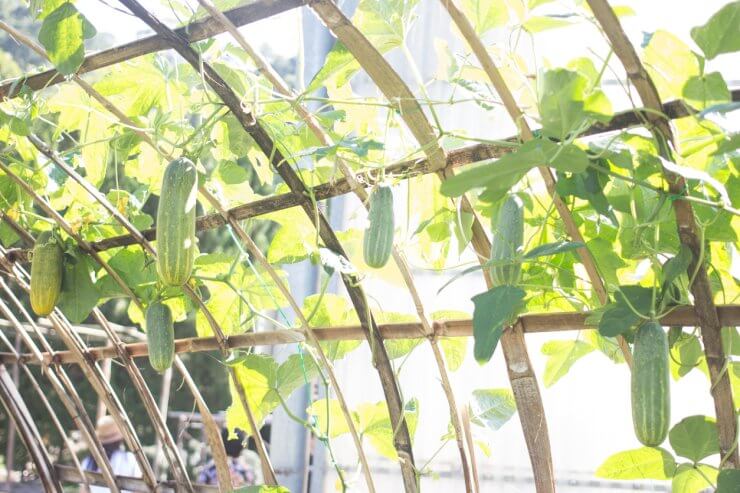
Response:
column 274, row 246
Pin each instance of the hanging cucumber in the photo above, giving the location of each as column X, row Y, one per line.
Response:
column 507, row 226
column 47, row 267
column 378, row 240
column 651, row 401
column 176, row 222
column 160, row 336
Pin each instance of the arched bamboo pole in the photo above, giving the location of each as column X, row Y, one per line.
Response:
column 402, row 439
column 47, row 405
column 60, row 382
column 18, row 412
column 688, row 233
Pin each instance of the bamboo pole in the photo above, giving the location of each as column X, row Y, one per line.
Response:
column 536, row 323
column 250, row 124
column 15, row 350
column 688, row 233
column 18, row 413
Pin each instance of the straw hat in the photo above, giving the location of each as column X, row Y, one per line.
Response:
column 107, row 431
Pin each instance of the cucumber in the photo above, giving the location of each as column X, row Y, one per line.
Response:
column 507, row 226
column 378, row 240
column 651, row 400
column 47, row 268
column 176, row 222
column 160, row 336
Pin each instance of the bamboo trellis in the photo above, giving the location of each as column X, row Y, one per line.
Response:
column 704, row 314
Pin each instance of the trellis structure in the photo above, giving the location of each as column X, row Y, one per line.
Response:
column 655, row 117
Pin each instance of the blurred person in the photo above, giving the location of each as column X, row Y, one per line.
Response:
column 121, row 460
column 242, row 474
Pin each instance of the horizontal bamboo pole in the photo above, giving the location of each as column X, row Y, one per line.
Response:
column 196, row 31
column 68, row 474
column 409, row 168
column 531, row 324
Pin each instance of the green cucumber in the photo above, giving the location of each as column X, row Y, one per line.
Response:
column 47, row 268
column 651, row 399
column 507, row 226
column 176, row 222
column 160, row 336
column 378, row 240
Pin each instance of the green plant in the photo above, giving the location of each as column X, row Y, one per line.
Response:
column 160, row 336
column 651, row 399
column 378, row 239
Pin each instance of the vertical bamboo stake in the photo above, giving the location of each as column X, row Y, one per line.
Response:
column 688, row 233
column 106, row 370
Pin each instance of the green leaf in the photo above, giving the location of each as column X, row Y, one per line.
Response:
column 693, row 479
column 332, row 310
column 553, row 249
column 727, row 481
column 705, row 91
column 63, row 34
column 694, row 437
column 670, row 63
column 619, row 317
column 485, row 14
column 539, row 23
column 454, row 348
column 79, row 294
column 491, row 408
column 561, row 357
column 641, row 463
column 493, row 310
column 686, row 354
column 374, row 424
column 721, row 33
column 329, row 417
column 567, row 101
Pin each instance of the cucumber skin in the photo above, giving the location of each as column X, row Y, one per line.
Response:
column 651, row 401
column 160, row 336
column 378, row 239
column 176, row 222
column 47, row 269
column 508, row 237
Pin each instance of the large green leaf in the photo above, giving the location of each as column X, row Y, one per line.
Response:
column 721, row 33
column 693, row 479
column 493, row 310
column 694, row 437
column 727, row 481
column 561, row 357
column 63, row 34
column 79, row 293
column 641, row 463
column 620, row 316
column 492, row 407
column 567, row 101
column 485, row 14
